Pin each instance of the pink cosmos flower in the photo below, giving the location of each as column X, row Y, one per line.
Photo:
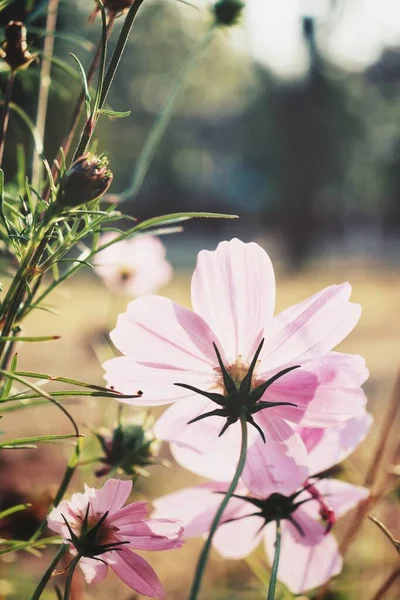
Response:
column 230, row 354
column 309, row 553
column 133, row 267
column 97, row 527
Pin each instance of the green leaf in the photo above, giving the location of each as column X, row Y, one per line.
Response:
column 179, row 217
column 30, row 124
column 22, row 442
column 13, row 509
column 39, row 338
column 114, row 113
column 88, row 98
column 8, row 382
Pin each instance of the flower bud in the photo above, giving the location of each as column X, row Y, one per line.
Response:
column 130, row 447
column 14, row 50
column 227, row 12
column 87, row 179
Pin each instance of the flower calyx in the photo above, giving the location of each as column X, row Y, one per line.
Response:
column 89, row 542
column 240, row 401
column 129, row 447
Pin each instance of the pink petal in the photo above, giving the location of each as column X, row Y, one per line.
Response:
column 310, row 329
column 329, row 447
column 94, row 571
column 153, row 534
column 157, row 331
column 280, row 464
column 132, row 513
column 219, row 464
column 156, row 384
column 173, row 424
column 305, row 563
column 111, row 497
column 326, row 391
column 340, row 496
column 195, row 507
column 233, row 290
column 239, row 538
column 135, row 572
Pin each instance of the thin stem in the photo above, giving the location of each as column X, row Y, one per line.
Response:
column 387, row 584
column 48, row 573
column 69, row 471
column 6, row 112
column 202, row 562
column 90, row 124
column 275, row 566
column 81, row 100
column 45, row 81
column 384, row 437
column 162, row 121
column 68, row 583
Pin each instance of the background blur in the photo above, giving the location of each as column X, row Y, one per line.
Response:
column 290, row 120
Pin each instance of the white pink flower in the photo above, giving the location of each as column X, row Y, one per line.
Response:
column 104, row 533
column 309, row 553
column 133, row 267
column 233, row 297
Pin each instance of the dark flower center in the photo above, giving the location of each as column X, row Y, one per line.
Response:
column 240, row 400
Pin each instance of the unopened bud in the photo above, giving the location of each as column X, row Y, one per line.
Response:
column 227, row 12
column 87, row 179
column 14, row 50
column 130, row 447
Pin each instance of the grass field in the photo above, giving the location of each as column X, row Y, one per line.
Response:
column 86, row 312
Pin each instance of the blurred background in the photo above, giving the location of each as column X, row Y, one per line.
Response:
column 291, row 120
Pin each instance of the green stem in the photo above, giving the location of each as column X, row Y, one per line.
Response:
column 202, row 562
column 90, row 124
column 162, row 121
column 275, row 566
column 69, row 471
column 6, row 112
column 48, row 573
column 68, row 583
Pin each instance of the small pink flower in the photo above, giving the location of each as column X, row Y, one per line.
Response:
column 133, row 267
column 97, row 527
column 309, row 553
column 191, row 358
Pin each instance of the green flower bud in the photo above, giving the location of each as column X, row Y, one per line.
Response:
column 87, row 179
column 130, row 447
column 227, row 12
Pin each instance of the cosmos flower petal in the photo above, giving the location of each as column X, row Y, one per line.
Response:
column 135, row 572
column 173, row 424
column 157, row 331
column 310, row 329
column 157, row 385
column 329, row 447
column 111, row 496
column 280, row 464
column 340, row 496
column 304, row 564
column 233, row 290
column 239, row 538
column 94, row 571
column 133, row 266
column 218, row 464
column 132, row 513
column 153, row 534
column 326, row 391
